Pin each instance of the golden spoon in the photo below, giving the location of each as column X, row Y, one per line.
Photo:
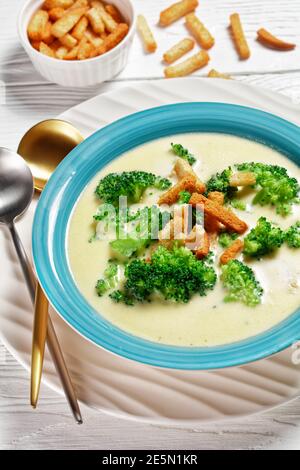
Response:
column 43, row 147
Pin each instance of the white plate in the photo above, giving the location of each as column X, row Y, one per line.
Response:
column 118, row 386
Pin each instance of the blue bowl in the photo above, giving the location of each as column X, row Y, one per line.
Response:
column 75, row 172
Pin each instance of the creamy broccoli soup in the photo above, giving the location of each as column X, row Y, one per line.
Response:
column 269, row 275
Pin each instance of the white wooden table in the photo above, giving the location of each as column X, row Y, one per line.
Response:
column 26, row 98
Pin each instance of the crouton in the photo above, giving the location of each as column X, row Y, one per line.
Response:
column 214, row 209
column 232, row 251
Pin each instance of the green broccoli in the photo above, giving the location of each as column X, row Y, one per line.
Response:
column 238, row 204
column 276, row 187
column 120, row 297
column 220, row 182
column 131, row 184
column 226, row 238
column 182, row 152
column 113, row 220
column 128, row 247
column 263, row 239
column 146, row 224
column 110, row 279
column 292, row 236
column 184, row 197
column 240, row 282
column 176, row 274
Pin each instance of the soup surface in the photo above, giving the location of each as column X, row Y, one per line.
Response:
column 204, row 321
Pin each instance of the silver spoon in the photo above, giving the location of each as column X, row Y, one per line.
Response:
column 16, row 192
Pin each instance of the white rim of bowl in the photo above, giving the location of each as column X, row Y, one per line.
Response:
column 23, row 36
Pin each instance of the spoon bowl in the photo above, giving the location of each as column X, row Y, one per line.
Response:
column 16, row 185
column 45, row 145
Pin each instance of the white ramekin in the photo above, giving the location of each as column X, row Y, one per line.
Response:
column 79, row 73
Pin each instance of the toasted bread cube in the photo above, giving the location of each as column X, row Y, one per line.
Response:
column 176, row 11
column 95, row 40
column 72, row 54
column 242, row 178
column 109, row 22
column 37, row 25
column 80, row 28
column 178, row 50
column 95, row 18
column 68, row 41
column 49, row 4
column 48, row 38
column 199, row 31
column 114, row 13
column 188, row 66
column 67, row 22
column 239, row 37
column 85, row 49
column 112, row 40
column 56, row 13
column 46, row 50
column 232, row 251
column 146, row 34
column 61, row 52
column 224, row 215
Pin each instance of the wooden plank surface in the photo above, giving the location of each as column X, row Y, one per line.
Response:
column 26, row 98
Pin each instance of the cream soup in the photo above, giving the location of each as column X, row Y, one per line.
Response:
column 204, row 321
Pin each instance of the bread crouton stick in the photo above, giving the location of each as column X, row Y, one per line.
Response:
column 189, row 183
column 239, row 37
column 212, row 225
column 267, row 39
column 213, row 73
column 176, row 11
column 112, row 40
column 67, row 22
column 146, row 34
column 178, row 50
column 198, row 241
column 232, row 251
column 188, row 66
column 182, row 168
column 216, row 196
column 242, row 178
column 225, row 216
column 199, row 31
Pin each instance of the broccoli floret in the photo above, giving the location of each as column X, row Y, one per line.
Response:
column 109, row 281
column 175, row 274
column 292, row 236
column 263, row 239
column 276, row 187
column 182, row 152
column 146, row 224
column 148, row 221
column 120, row 297
column 184, row 197
column 128, row 247
column 209, row 258
column 113, row 220
column 124, row 224
column 238, row 204
column 131, row 184
column 220, row 182
column 226, row 238
column 240, row 282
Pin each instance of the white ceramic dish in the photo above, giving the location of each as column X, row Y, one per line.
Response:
column 121, row 387
column 79, row 73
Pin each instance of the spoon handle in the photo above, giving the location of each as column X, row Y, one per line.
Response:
column 24, row 261
column 52, row 341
